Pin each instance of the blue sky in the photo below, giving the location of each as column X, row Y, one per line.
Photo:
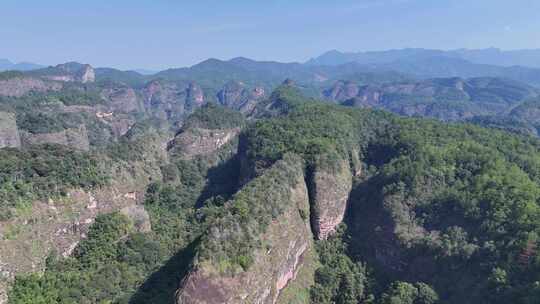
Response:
column 156, row 34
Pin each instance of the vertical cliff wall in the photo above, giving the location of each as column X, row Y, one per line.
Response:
column 330, row 186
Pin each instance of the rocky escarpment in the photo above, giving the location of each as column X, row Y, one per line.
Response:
column 69, row 72
column 237, row 96
column 199, row 141
column 329, row 191
column 171, row 101
column 21, row 85
column 121, row 98
column 286, row 236
column 9, row 134
column 76, row 138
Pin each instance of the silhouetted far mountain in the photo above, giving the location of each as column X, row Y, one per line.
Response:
column 426, row 63
column 491, row 56
column 6, row 65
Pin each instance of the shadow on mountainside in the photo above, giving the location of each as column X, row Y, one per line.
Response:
column 222, row 180
column 161, row 286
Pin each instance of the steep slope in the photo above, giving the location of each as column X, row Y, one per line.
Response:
column 236, row 95
column 51, row 195
column 171, row 101
column 231, row 267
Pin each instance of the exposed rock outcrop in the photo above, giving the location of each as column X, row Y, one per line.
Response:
column 288, row 238
column 74, row 137
column 59, row 225
column 329, row 192
column 237, row 96
column 9, row 134
column 69, row 72
column 198, row 141
column 171, row 101
column 122, row 99
column 20, row 86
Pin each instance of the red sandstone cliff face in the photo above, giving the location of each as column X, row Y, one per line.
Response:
column 290, row 236
column 329, row 191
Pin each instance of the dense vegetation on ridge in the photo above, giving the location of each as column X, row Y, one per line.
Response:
column 442, row 212
column 42, row 172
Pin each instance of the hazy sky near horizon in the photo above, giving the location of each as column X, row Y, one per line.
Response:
column 156, row 34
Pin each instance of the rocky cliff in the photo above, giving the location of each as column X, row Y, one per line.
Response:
column 21, row 85
column 284, row 239
column 9, row 134
column 76, row 138
column 69, row 72
column 329, row 191
column 199, row 141
column 121, row 98
column 237, row 96
column 171, row 101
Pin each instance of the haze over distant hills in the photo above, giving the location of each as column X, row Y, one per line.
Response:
column 491, row 56
column 6, row 65
column 394, row 58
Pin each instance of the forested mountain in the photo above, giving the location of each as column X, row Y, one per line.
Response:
column 170, row 192
column 223, row 183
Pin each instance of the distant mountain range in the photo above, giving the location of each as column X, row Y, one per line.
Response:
column 425, row 63
column 383, row 66
column 6, row 65
column 491, row 56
